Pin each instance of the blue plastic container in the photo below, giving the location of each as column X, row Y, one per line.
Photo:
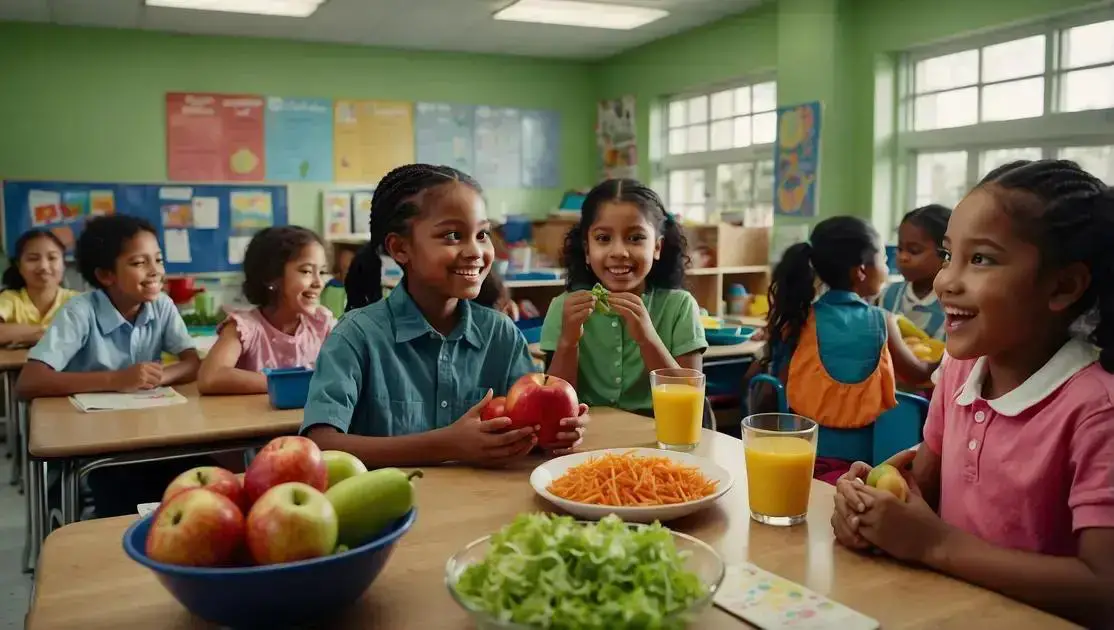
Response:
column 288, row 387
column 728, row 336
column 273, row 596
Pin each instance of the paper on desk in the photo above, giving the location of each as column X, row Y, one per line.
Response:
column 177, row 246
column 772, row 602
column 147, row 399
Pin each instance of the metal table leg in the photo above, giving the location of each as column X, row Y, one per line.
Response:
column 9, row 419
column 16, row 430
column 36, row 504
column 71, row 502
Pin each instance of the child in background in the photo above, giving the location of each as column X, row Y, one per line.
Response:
column 919, row 242
column 837, row 356
column 112, row 339
column 495, row 294
column 627, row 242
column 332, row 296
column 1013, row 488
column 283, row 268
column 401, row 380
column 32, row 287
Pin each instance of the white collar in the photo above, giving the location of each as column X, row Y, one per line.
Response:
column 1072, row 357
column 911, row 296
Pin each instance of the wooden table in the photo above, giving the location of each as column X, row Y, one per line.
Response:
column 714, row 355
column 83, row 442
column 86, row 582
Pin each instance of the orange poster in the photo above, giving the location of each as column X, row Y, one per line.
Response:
column 370, row 138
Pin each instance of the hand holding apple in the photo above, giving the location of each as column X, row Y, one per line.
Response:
column 489, row 443
column 211, row 478
column 196, row 527
column 291, row 521
column 544, row 401
column 283, row 460
column 497, row 408
column 572, row 432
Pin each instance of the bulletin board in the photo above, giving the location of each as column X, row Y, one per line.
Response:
column 201, row 229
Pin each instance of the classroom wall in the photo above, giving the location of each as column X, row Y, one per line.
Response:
column 88, row 104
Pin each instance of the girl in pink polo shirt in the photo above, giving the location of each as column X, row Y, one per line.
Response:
column 282, row 277
column 1013, row 487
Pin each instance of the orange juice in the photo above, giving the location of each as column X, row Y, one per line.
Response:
column 779, row 474
column 678, row 411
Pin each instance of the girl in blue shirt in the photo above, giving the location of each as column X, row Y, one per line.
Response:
column 920, row 239
column 401, row 380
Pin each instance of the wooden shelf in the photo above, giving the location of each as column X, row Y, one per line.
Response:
column 348, row 239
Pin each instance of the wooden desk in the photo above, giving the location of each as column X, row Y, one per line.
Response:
column 86, row 582
column 712, row 356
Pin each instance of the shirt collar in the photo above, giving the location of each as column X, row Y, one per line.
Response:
column 109, row 317
column 411, row 324
column 1073, row 356
column 911, row 297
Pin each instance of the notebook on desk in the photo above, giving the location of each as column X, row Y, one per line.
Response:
column 113, row 401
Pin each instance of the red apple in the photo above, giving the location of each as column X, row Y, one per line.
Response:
column 292, row 521
column 197, row 528
column 542, row 400
column 496, row 408
column 283, row 460
column 211, row 478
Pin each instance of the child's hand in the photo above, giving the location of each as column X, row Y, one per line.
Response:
column 629, row 306
column 139, row 376
column 907, row 530
column 578, row 306
column 482, row 443
column 575, row 435
column 849, row 505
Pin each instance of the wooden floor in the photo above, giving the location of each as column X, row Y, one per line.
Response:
column 15, row 587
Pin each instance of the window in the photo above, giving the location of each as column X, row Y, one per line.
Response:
column 718, row 160
column 1041, row 91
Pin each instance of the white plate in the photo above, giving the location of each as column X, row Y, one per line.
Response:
column 545, row 474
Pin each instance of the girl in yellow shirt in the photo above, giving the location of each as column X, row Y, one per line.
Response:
column 32, row 287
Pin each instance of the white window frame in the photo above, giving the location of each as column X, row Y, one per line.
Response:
column 707, row 161
column 1049, row 132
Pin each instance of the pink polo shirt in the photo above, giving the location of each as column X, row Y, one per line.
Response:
column 264, row 346
column 1030, row 469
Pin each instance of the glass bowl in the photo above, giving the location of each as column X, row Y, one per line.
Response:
column 702, row 560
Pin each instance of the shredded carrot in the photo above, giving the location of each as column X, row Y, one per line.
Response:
column 629, row 480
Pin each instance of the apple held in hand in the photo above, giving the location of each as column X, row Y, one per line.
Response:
column 886, row 477
column 197, row 528
column 496, row 408
column 292, row 521
column 341, row 466
column 211, row 478
column 542, row 400
column 283, row 460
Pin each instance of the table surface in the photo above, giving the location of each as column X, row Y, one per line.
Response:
column 747, row 348
column 59, row 430
column 12, row 358
column 85, row 581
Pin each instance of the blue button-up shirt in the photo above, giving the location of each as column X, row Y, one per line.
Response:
column 89, row 335
column 384, row 371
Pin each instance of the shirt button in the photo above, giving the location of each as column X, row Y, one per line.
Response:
column 614, row 324
column 618, row 379
column 980, row 417
column 618, row 363
column 972, row 445
column 444, row 403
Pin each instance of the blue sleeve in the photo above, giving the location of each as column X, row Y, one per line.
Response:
column 338, row 377
column 66, row 336
column 175, row 338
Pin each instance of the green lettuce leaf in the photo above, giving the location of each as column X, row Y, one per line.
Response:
column 601, row 299
column 552, row 572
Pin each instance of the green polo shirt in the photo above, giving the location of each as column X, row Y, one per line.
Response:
column 384, row 371
column 611, row 371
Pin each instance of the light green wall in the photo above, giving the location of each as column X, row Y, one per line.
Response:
column 88, row 104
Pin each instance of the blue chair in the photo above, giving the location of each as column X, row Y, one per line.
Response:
column 895, row 430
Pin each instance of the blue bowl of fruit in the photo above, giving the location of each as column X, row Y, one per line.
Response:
column 298, row 539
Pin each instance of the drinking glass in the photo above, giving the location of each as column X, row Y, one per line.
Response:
column 678, row 395
column 780, row 451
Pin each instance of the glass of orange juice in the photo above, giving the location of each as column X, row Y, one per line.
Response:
column 780, row 450
column 678, row 407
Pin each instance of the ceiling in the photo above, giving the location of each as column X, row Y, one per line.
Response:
column 450, row 25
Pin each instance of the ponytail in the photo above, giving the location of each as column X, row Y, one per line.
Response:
column 12, row 279
column 363, row 284
column 792, row 290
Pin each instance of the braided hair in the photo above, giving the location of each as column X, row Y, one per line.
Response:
column 393, row 205
column 1069, row 214
column 837, row 246
column 933, row 219
column 667, row 272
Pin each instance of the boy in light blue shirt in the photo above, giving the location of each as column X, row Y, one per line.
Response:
column 112, row 339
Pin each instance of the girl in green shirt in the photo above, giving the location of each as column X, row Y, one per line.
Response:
column 606, row 346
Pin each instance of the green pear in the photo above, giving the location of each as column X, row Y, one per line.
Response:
column 886, row 477
column 877, row 472
column 341, row 466
column 369, row 502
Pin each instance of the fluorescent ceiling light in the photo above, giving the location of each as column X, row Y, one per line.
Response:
column 575, row 13
column 284, row 8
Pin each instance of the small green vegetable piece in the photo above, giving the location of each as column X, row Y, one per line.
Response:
column 601, row 299
column 552, row 572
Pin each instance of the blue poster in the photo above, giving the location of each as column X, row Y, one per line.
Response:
column 797, row 160
column 299, row 139
column 541, row 150
column 444, row 134
column 498, row 147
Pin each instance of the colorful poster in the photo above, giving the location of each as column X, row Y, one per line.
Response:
column 338, row 213
column 75, row 204
column 214, row 137
column 251, row 210
column 617, row 138
column 177, row 215
column 44, row 206
column 361, row 212
column 498, row 147
column 797, row 160
column 445, row 134
column 541, row 150
column 370, row 138
column 102, row 203
column 299, row 135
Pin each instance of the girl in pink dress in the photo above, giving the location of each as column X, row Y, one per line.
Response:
column 283, row 269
